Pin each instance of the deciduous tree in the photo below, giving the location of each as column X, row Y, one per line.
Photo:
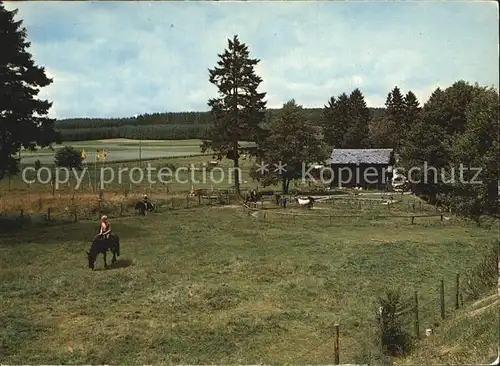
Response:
column 68, row 157
column 293, row 142
column 458, row 128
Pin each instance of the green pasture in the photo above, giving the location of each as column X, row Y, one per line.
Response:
column 199, row 282
column 121, row 150
column 178, row 157
column 217, row 285
column 127, row 176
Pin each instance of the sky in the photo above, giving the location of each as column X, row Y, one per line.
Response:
column 119, row 59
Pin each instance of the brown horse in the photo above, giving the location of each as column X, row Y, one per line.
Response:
column 253, row 197
column 101, row 246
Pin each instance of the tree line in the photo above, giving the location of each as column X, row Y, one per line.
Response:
column 455, row 127
column 141, row 132
column 160, row 126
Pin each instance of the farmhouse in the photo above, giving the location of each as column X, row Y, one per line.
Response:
column 365, row 168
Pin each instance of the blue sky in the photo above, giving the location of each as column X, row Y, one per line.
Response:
column 113, row 59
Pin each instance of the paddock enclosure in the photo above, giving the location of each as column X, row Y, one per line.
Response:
column 214, row 284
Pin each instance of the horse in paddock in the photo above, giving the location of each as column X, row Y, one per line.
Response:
column 101, row 246
column 199, row 192
column 144, row 206
column 307, row 202
column 253, row 197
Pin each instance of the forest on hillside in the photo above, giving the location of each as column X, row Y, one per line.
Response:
column 160, row 126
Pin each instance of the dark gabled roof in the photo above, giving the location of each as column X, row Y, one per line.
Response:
column 361, row 156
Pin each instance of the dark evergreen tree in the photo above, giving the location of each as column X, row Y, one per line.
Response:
column 23, row 121
column 239, row 110
column 395, row 109
column 342, row 119
column 412, row 111
column 335, row 120
column 328, row 121
column 356, row 136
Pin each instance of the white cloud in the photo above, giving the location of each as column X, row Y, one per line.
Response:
column 124, row 58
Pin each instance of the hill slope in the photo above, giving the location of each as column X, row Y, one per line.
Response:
column 471, row 336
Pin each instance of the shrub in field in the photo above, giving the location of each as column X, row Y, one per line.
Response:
column 68, row 157
column 391, row 319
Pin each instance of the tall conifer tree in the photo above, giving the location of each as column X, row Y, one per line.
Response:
column 239, row 109
column 23, row 117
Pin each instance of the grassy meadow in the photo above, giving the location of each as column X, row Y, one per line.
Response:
column 121, row 150
column 218, row 284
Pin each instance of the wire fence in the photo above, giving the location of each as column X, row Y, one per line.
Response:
column 427, row 308
column 69, row 207
column 423, row 313
column 88, row 207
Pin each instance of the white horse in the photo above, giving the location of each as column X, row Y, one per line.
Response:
column 306, row 202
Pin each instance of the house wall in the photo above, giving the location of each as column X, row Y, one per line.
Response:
column 362, row 175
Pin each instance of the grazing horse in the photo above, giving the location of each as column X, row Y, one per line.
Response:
column 102, row 246
column 144, row 206
column 308, row 202
column 199, row 192
column 253, row 197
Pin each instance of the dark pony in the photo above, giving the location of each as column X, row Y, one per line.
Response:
column 101, row 246
column 144, row 206
column 253, row 197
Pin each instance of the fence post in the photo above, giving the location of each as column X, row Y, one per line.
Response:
column 412, row 219
column 417, row 330
column 337, row 336
column 172, row 202
column 441, row 217
column 293, row 216
column 121, row 208
column 187, row 201
column 442, row 299
column 199, row 199
column 457, row 294
column 48, row 214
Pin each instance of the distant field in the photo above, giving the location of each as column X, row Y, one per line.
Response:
column 121, row 150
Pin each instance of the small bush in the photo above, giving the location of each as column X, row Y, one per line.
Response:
column 394, row 310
